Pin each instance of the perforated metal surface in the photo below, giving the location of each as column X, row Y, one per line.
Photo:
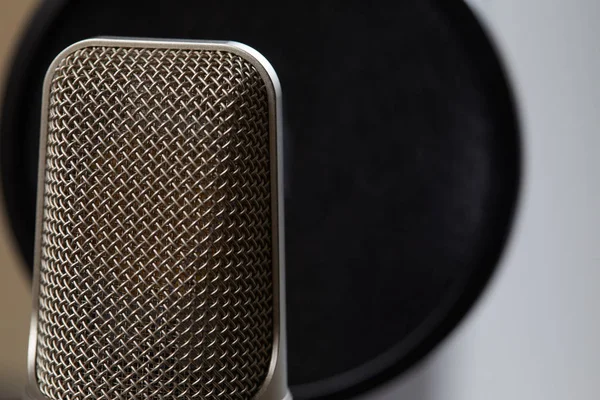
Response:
column 156, row 262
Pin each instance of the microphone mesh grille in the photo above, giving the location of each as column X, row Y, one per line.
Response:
column 156, row 260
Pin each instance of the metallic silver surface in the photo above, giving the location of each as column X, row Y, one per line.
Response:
column 159, row 248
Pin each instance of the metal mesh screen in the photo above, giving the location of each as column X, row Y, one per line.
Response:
column 156, row 260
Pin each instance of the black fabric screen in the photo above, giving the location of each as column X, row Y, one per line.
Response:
column 402, row 162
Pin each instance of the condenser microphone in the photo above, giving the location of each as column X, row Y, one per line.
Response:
column 159, row 250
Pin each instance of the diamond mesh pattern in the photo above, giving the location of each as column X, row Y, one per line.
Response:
column 156, row 266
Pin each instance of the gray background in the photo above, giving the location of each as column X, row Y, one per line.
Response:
column 534, row 334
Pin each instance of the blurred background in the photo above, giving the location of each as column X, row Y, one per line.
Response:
column 15, row 297
column 415, row 129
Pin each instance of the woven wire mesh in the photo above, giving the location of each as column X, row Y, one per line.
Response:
column 156, row 265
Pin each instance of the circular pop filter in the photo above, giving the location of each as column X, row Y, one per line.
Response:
column 402, row 163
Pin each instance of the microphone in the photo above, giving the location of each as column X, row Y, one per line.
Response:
column 159, row 259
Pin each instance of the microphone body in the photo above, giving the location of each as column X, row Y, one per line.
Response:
column 159, row 259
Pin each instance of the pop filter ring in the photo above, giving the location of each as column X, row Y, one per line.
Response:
column 435, row 326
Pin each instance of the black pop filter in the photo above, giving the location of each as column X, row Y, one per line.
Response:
column 402, row 162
